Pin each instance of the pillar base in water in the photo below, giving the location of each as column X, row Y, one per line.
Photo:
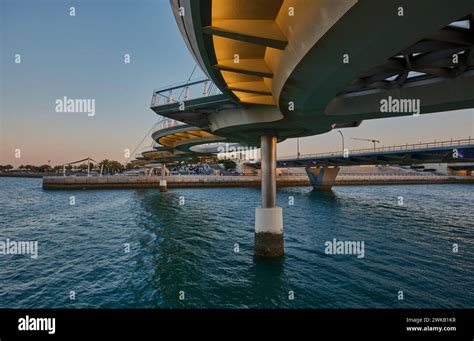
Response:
column 163, row 186
column 322, row 178
column 323, row 187
column 269, row 232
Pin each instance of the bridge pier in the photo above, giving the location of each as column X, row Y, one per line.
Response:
column 163, row 182
column 268, row 218
column 322, row 178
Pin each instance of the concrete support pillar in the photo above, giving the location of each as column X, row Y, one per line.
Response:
column 268, row 147
column 322, row 178
column 163, row 183
column 268, row 218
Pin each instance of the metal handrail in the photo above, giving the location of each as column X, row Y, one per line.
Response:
column 375, row 175
column 165, row 123
column 168, row 97
column 427, row 145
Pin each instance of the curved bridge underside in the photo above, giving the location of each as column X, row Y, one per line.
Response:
column 298, row 68
column 182, row 143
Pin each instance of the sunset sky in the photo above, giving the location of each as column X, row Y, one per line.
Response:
column 82, row 56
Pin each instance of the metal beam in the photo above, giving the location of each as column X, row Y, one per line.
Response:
column 246, row 37
column 246, row 71
column 250, row 91
column 453, row 35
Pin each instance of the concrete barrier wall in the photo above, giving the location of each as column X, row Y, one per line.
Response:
column 119, row 182
column 58, row 182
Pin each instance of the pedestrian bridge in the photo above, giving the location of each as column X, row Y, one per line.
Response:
column 457, row 151
column 323, row 168
column 279, row 69
column 295, row 68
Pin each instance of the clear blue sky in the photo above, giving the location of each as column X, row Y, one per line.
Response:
column 82, row 57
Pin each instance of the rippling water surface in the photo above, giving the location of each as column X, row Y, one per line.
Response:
column 190, row 248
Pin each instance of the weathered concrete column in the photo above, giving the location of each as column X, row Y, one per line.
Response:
column 163, row 183
column 268, row 218
column 322, row 178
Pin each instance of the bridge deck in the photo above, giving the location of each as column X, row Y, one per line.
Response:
column 437, row 152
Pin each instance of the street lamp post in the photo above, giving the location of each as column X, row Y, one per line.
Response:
column 340, row 132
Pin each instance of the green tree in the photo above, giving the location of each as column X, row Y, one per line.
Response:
column 130, row 166
column 115, row 166
column 57, row 169
column 43, row 169
column 105, row 166
column 110, row 166
column 6, row 168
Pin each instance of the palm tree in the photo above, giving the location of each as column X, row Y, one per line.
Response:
column 57, row 169
column 44, row 169
column 6, row 168
column 115, row 166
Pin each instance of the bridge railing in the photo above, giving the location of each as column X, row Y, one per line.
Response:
column 184, row 91
column 410, row 175
column 425, row 145
column 165, row 122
